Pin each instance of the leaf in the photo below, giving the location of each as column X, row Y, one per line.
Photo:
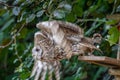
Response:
column 1, row 36
column 59, row 14
column 114, row 35
column 23, row 33
column 78, row 10
column 24, row 75
column 115, row 17
column 65, row 5
column 45, row 5
column 68, row 7
column 89, row 2
column 21, row 18
column 8, row 23
column 2, row 11
column 118, row 9
column 93, row 8
column 30, row 18
column 98, row 72
column 111, row 22
column 40, row 13
column 71, row 17
column 16, row 11
column 110, row 1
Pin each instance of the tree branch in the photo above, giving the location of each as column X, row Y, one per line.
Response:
column 3, row 3
column 13, row 37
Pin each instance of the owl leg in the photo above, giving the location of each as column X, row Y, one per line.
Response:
column 56, row 70
column 91, row 52
column 44, row 71
column 39, row 70
column 69, row 55
column 34, row 70
column 50, row 71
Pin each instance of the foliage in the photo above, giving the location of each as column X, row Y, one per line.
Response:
column 18, row 19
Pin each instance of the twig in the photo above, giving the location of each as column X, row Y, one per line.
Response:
column 3, row 46
column 86, row 20
column 14, row 38
column 16, row 51
column 21, row 28
column 3, row 3
column 11, row 41
column 115, row 1
column 118, row 53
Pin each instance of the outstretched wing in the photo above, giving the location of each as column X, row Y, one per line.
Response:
column 65, row 34
column 70, row 29
column 60, row 30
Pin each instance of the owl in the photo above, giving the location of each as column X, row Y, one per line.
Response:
column 69, row 37
column 58, row 40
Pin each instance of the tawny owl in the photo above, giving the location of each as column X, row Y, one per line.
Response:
column 55, row 41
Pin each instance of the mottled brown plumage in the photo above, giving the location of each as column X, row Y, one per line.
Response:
column 43, row 54
column 65, row 35
column 59, row 40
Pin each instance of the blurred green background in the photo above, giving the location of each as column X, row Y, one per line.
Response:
column 18, row 19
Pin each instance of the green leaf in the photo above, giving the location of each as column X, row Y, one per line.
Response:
column 93, row 8
column 45, row 5
column 2, row 11
column 111, row 22
column 68, row 7
column 1, row 36
column 110, row 1
column 71, row 17
column 89, row 2
column 8, row 23
column 114, row 35
column 98, row 72
column 30, row 18
column 16, row 10
column 40, row 13
column 59, row 14
column 118, row 9
column 23, row 33
column 78, row 10
column 24, row 75
column 21, row 17
column 65, row 5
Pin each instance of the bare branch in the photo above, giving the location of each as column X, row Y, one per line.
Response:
column 13, row 37
column 3, row 3
column 118, row 53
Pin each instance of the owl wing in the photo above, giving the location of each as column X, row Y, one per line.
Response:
column 70, row 29
column 64, row 34
column 59, row 30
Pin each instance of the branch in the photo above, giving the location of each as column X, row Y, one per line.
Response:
column 3, row 46
column 118, row 53
column 13, row 37
column 3, row 3
column 115, row 1
column 86, row 20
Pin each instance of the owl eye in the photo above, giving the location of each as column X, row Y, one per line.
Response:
column 37, row 49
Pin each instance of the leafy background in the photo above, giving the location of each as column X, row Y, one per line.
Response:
column 18, row 19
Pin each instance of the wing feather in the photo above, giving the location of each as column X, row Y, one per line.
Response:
column 65, row 34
